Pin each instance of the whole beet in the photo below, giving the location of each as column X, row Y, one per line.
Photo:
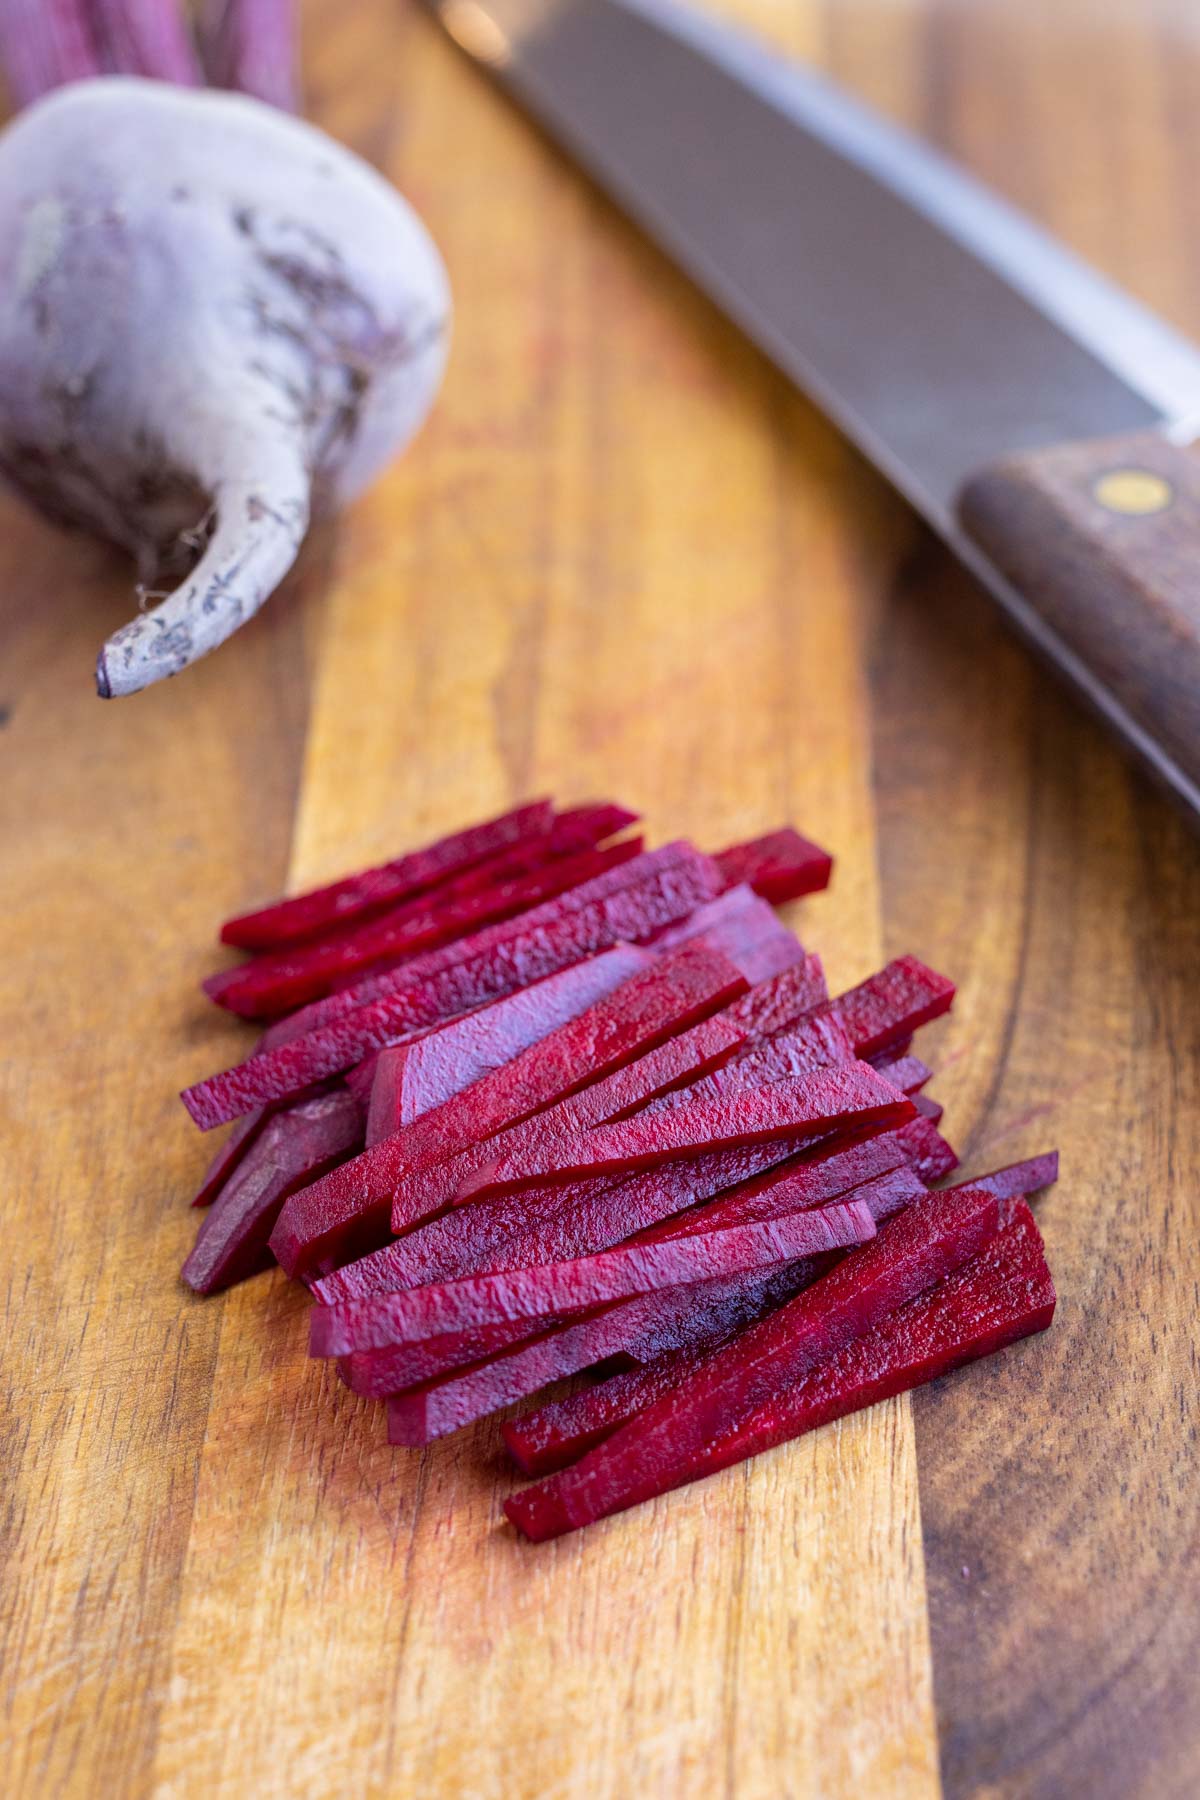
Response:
column 213, row 318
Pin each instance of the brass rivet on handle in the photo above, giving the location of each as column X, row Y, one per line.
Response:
column 1133, row 491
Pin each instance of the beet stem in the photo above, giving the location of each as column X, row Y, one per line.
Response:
column 147, row 37
column 251, row 45
column 44, row 43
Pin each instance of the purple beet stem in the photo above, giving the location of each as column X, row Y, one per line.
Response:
column 147, row 37
column 44, row 43
column 251, row 45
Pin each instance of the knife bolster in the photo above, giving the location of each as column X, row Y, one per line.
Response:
column 1103, row 541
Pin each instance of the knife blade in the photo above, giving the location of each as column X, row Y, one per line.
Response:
column 1032, row 412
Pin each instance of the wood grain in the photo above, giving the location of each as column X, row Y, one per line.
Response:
column 547, row 512
column 1061, row 1571
column 622, row 557
column 1059, row 1547
column 117, row 827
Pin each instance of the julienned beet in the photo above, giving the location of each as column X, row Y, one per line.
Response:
column 548, row 1104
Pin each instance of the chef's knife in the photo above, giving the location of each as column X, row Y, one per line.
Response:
column 1034, row 414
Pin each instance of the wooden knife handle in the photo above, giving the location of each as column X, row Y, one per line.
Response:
column 1103, row 541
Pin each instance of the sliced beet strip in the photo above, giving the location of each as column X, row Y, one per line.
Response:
column 623, row 903
column 568, row 1222
column 507, row 936
column 573, row 1425
column 772, row 1005
column 361, row 1078
column 561, row 1431
column 670, row 1441
column 293, row 1147
column 272, row 985
column 742, row 1299
column 355, row 896
column 780, row 866
column 426, row 1190
column 650, row 1324
column 230, row 1154
column 890, row 1005
column 783, row 1192
column 385, row 981
column 800, row 1049
column 716, row 1310
column 414, row 1079
column 377, row 1373
column 658, row 884
column 749, row 931
column 786, row 1002
column 641, row 1329
column 725, row 1305
column 638, row 1331
column 931, row 1157
column 908, row 1073
column 483, row 887
column 321, row 1224
column 1018, row 1180
column 575, row 1287
column 284, row 1071
column 385, row 1096
column 1001, row 1295
column 558, row 1223
column 286, row 980
column 673, row 993
column 832, row 1100
column 886, row 1006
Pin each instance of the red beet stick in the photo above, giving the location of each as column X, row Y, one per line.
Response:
column 623, row 903
column 832, row 1100
column 413, row 1079
column 302, row 915
column 780, row 866
column 558, row 1223
column 563, row 1430
column 1003, row 1294
column 579, row 1286
column 627, row 1090
column 294, row 1146
column 317, row 1223
column 667, row 1444
column 272, row 985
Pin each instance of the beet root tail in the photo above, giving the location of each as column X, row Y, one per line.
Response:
column 260, row 526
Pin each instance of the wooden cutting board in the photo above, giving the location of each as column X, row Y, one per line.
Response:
column 624, row 559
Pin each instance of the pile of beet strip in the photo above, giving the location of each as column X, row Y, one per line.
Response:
column 535, row 1102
